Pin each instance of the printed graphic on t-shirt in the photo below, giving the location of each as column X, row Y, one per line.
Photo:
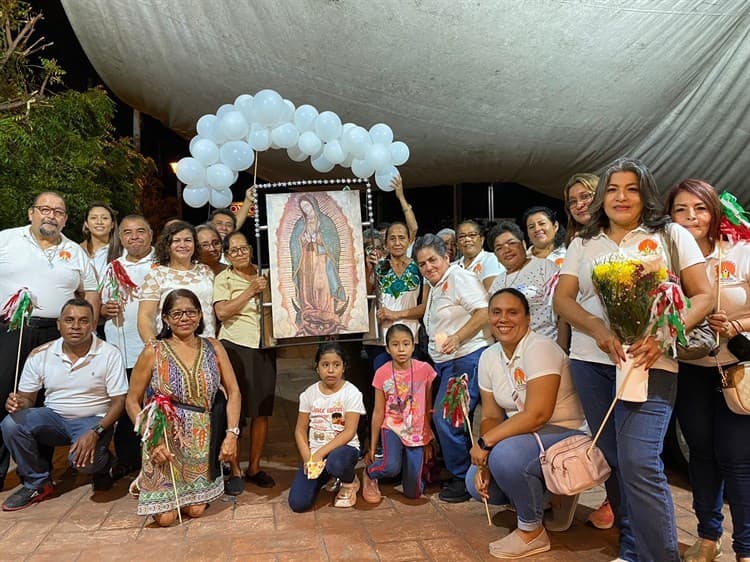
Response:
column 325, row 423
column 519, row 377
column 648, row 246
column 728, row 272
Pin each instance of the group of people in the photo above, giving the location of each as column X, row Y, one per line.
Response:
column 512, row 308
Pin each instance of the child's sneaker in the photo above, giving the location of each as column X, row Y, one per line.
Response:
column 333, row 485
column 370, row 490
column 347, row 495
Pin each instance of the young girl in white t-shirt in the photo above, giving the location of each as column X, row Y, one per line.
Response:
column 326, row 432
column 400, row 418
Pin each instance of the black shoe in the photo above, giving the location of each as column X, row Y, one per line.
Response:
column 262, row 479
column 24, row 497
column 234, row 486
column 379, row 451
column 102, row 481
column 455, row 492
column 119, row 471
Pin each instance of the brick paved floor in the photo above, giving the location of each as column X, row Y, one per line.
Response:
column 259, row 526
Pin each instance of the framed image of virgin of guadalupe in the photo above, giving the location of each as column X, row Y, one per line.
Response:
column 317, row 263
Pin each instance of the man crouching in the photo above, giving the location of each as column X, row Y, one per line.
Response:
column 85, row 386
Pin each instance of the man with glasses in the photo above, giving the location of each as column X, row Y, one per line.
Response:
column 54, row 269
column 121, row 329
column 85, row 387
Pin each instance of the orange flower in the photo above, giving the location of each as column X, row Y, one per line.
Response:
column 64, row 255
column 647, row 246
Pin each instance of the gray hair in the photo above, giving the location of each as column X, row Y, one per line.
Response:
column 430, row 242
column 446, row 232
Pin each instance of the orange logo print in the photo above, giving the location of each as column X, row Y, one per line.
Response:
column 647, row 246
column 445, row 287
column 559, row 262
column 478, row 268
column 64, row 255
column 728, row 270
column 519, row 377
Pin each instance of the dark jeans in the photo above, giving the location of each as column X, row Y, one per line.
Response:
column 399, row 459
column 719, row 455
column 32, row 337
column 339, row 463
column 632, row 443
column 127, row 442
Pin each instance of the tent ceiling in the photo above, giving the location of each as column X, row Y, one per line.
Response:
column 481, row 91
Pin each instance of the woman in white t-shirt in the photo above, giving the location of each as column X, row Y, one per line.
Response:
column 326, row 432
column 101, row 240
column 474, row 257
column 626, row 219
column 525, row 386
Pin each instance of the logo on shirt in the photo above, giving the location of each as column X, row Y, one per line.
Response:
column 64, row 255
column 519, row 377
column 648, row 246
column 477, row 268
column 559, row 262
column 728, row 271
column 445, row 287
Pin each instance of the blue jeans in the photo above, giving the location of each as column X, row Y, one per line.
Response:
column 516, row 475
column 339, row 463
column 454, row 441
column 714, row 435
column 26, row 429
column 638, row 488
column 399, row 459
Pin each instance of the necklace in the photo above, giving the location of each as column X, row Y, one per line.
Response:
column 410, row 398
column 510, row 280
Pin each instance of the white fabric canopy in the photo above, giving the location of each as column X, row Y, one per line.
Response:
column 514, row 90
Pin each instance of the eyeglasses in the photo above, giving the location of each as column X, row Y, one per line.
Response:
column 46, row 211
column 178, row 314
column 585, row 198
column 468, row 236
column 510, row 244
column 209, row 245
column 237, row 250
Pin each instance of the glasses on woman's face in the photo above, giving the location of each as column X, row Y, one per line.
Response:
column 510, row 244
column 210, row 245
column 191, row 313
column 585, row 198
column 238, row 250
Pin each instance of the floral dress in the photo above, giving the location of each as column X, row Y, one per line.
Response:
column 192, row 392
column 399, row 293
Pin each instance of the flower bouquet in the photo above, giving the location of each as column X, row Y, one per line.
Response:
column 640, row 298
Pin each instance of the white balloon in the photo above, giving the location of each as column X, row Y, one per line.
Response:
column 205, row 151
column 196, row 195
column 244, row 104
column 208, row 127
column 219, row 176
column 285, row 135
column 224, row 109
column 356, row 141
column 288, row 113
column 378, row 156
column 328, row 126
column 347, row 163
column 309, row 143
column 383, row 179
column 345, row 127
column 195, row 139
column 304, row 117
column 233, row 125
column 259, row 139
column 399, row 153
column 190, row 171
column 241, row 100
column 334, row 152
column 322, row 164
column 296, row 154
column 237, row 155
column 361, row 168
column 220, row 198
column 381, row 133
column 268, row 107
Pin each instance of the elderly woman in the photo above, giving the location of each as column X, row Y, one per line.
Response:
column 545, row 234
column 176, row 255
column 449, row 237
column 186, row 370
column 527, row 394
column 626, row 219
column 210, row 247
column 531, row 275
column 238, row 291
column 475, row 258
column 455, row 314
column 713, row 433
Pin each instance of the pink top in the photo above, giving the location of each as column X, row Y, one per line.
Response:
column 406, row 401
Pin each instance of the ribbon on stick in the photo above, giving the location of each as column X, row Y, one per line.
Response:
column 16, row 311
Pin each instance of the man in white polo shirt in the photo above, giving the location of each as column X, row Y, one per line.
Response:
column 53, row 268
column 85, row 387
column 121, row 329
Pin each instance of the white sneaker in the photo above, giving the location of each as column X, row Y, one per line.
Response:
column 347, row 495
column 333, row 485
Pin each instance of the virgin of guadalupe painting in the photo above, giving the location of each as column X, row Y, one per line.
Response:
column 317, row 256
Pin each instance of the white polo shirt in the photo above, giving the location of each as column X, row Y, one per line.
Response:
column 484, row 265
column 75, row 390
column 52, row 275
column 451, row 303
column 535, row 356
column 131, row 341
column 638, row 243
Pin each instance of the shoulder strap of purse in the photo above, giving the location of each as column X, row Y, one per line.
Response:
column 517, row 399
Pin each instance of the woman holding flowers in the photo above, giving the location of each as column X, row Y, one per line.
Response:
column 626, row 221
column 712, row 431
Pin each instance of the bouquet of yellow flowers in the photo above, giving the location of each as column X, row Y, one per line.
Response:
column 640, row 298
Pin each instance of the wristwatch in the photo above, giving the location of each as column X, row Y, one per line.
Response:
column 483, row 445
column 98, row 429
column 235, row 430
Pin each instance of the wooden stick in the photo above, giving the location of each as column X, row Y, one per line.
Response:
column 18, row 355
column 471, row 436
column 174, row 482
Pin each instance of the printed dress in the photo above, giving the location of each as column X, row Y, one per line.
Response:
column 191, row 390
